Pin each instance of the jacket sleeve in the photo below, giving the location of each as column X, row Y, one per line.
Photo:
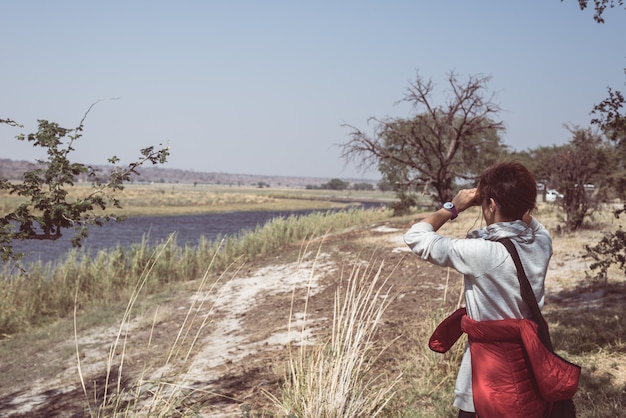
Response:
column 447, row 333
column 467, row 256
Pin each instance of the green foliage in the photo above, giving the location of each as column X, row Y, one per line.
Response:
column 609, row 116
column 47, row 209
column 384, row 185
column 333, row 184
column 539, row 161
column 336, row 184
column 610, row 250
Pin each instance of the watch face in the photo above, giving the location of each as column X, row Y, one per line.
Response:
column 448, row 205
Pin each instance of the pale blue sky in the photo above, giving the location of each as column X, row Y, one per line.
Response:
column 263, row 87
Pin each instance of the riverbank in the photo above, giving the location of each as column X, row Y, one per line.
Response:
column 185, row 199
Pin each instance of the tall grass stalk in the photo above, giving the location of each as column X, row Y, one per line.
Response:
column 337, row 377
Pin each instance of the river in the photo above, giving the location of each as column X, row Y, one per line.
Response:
column 188, row 228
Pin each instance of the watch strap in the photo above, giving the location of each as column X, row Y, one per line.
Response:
column 449, row 206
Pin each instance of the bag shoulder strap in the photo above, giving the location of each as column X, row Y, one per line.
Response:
column 527, row 294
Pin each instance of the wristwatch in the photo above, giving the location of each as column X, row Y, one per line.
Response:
column 450, row 206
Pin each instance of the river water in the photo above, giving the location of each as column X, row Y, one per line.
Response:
column 189, row 229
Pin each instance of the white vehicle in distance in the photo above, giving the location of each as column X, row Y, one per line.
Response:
column 553, row 196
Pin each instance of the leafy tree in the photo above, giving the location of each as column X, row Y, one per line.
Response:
column 438, row 145
column 539, row 161
column 336, row 184
column 611, row 249
column 576, row 164
column 48, row 209
column 610, row 116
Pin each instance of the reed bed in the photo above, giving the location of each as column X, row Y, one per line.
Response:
column 46, row 291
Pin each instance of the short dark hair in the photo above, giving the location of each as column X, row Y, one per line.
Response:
column 512, row 186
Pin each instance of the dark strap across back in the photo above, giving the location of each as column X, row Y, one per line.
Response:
column 528, row 295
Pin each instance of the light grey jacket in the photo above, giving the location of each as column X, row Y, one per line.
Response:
column 492, row 289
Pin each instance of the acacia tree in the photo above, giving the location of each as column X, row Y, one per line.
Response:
column 48, row 209
column 436, row 146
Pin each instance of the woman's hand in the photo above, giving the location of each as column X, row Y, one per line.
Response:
column 466, row 198
column 463, row 200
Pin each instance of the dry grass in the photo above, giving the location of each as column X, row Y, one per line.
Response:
column 337, row 378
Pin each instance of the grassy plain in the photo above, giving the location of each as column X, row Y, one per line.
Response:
column 178, row 199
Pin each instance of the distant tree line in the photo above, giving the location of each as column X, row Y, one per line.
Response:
column 338, row 184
